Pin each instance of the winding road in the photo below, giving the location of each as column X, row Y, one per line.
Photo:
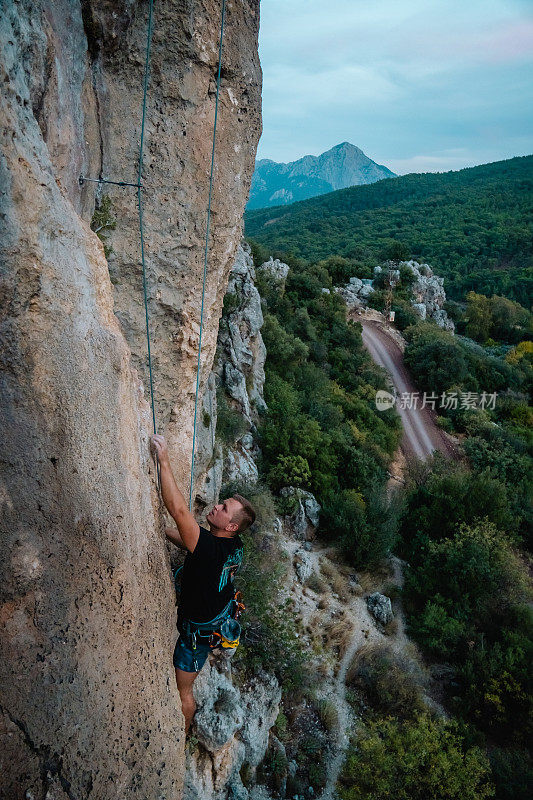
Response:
column 421, row 435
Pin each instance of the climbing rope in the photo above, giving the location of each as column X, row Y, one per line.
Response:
column 141, row 228
column 139, row 187
column 206, row 251
column 140, row 205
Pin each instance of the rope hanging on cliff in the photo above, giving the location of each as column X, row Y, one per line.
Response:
column 141, row 228
column 140, row 204
column 139, row 188
column 206, row 250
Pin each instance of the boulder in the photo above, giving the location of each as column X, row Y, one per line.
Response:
column 303, row 566
column 380, row 606
column 220, row 713
column 355, row 284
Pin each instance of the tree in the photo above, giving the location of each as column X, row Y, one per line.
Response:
column 478, row 316
column 510, row 320
column 414, row 760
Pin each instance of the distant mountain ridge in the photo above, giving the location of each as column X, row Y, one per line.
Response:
column 345, row 165
column 472, row 225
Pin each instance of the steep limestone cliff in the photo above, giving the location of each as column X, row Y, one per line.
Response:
column 87, row 613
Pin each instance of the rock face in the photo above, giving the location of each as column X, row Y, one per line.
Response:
column 232, row 726
column 302, row 522
column 238, row 377
column 429, row 295
column 87, row 611
column 344, row 165
column 356, row 293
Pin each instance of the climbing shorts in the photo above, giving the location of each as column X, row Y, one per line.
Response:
column 185, row 657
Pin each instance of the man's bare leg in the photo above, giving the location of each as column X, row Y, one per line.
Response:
column 185, row 681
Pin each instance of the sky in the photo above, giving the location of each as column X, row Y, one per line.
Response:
column 418, row 85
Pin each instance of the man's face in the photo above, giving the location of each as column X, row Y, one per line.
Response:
column 222, row 514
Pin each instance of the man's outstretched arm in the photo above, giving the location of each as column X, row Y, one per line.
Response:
column 173, row 499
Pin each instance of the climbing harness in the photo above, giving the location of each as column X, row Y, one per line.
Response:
column 224, row 630
column 139, row 186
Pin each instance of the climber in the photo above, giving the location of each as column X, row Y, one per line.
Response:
column 207, row 577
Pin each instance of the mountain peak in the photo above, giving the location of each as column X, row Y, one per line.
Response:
column 342, row 166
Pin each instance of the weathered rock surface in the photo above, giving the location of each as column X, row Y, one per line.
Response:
column 87, row 612
column 180, row 116
column 232, row 726
column 302, row 522
column 303, row 565
column 380, row 606
column 276, row 271
column 356, row 293
column 429, row 295
column 239, row 371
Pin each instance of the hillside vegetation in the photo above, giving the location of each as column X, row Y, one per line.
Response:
column 322, row 431
column 461, row 527
column 473, row 226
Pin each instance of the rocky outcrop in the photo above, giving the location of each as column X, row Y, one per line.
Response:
column 235, row 388
column 356, row 293
column 303, row 519
column 428, row 294
column 87, row 612
column 276, row 271
column 427, row 290
column 232, row 727
column 380, row 606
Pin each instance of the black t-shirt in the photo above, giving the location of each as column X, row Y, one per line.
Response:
column 207, row 576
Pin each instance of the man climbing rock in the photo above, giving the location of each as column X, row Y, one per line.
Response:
column 207, row 577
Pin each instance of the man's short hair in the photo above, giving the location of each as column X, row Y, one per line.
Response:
column 245, row 516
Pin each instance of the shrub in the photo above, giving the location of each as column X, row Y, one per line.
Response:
column 327, row 711
column 284, row 350
column 103, row 221
column 269, row 639
column 232, row 301
column 316, row 584
column 405, row 314
column 365, row 532
column 440, row 495
column 445, row 423
column 231, row 424
column 497, row 685
column 466, row 602
column 512, row 773
column 391, row 684
column 436, row 357
column 289, row 471
column 414, row 760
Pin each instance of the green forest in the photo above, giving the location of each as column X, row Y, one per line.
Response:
column 462, row 527
column 473, row 226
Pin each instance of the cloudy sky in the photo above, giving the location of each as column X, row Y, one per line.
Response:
column 419, row 85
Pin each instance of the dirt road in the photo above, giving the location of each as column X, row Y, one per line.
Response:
column 421, row 435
